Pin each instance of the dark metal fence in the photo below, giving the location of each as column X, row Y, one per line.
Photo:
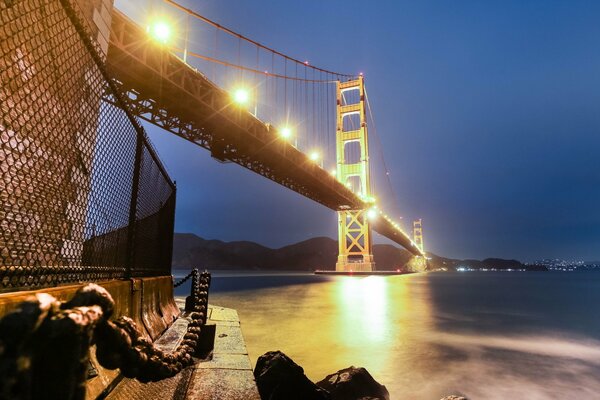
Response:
column 83, row 195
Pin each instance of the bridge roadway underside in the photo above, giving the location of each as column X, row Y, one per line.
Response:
column 160, row 88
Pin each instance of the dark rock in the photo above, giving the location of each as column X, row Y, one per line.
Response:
column 280, row 378
column 353, row 384
column 454, row 397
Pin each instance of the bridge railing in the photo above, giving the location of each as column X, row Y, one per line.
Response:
column 83, row 194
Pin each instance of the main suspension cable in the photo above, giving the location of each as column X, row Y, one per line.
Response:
column 241, row 67
column 247, row 39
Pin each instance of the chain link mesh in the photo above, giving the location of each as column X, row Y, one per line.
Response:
column 83, row 195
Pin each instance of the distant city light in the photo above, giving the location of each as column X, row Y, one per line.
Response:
column 241, row 96
column 160, row 31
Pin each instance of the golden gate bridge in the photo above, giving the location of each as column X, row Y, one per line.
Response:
column 307, row 128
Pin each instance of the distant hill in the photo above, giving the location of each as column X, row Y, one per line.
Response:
column 190, row 250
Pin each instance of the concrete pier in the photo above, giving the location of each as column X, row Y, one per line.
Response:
column 226, row 376
column 229, row 374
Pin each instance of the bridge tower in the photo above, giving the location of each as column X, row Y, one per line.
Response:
column 354, row 231
column 418, row 233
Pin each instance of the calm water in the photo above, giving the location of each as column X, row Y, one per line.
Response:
column 484, row 335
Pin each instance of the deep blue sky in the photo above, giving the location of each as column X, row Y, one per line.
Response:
column 489, row 114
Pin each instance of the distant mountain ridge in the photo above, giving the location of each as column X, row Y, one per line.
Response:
column 190, row 250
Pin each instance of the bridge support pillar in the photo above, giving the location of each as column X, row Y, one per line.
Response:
column 354, row 231
column 355, row 247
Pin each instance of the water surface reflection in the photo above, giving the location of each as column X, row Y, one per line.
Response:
column 521, row 336
column 337, row 322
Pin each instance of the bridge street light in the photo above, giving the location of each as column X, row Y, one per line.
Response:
column 241, row 96
column 160, row 30
column 285, row 133
column 372, row 213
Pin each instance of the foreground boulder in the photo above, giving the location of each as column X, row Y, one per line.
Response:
column 280, row 378
column 353, row 384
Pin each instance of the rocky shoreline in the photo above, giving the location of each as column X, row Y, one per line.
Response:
column 278, row 377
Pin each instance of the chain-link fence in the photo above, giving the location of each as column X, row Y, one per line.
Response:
column 83, row 195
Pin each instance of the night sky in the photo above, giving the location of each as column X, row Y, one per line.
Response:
column 488, row 112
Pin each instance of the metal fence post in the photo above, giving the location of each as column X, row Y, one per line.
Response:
column 135, row 185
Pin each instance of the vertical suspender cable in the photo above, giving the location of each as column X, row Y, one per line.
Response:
column 285, row 109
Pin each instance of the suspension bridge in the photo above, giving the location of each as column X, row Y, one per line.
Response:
column 304, row 127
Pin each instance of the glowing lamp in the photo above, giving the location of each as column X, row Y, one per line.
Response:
column 241, row 96
column 314, row 156
column 286, row 133
column 371, row 213
column 160, row 31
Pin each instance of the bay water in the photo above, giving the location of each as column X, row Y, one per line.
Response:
column 485, row 335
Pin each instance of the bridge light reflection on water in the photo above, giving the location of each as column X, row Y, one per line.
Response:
column 363, row 312
column 428, row 335
column 333, row 322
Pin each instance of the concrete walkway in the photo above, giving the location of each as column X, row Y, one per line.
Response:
column 227, row 376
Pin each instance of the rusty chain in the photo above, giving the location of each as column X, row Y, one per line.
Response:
column 47, row 342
